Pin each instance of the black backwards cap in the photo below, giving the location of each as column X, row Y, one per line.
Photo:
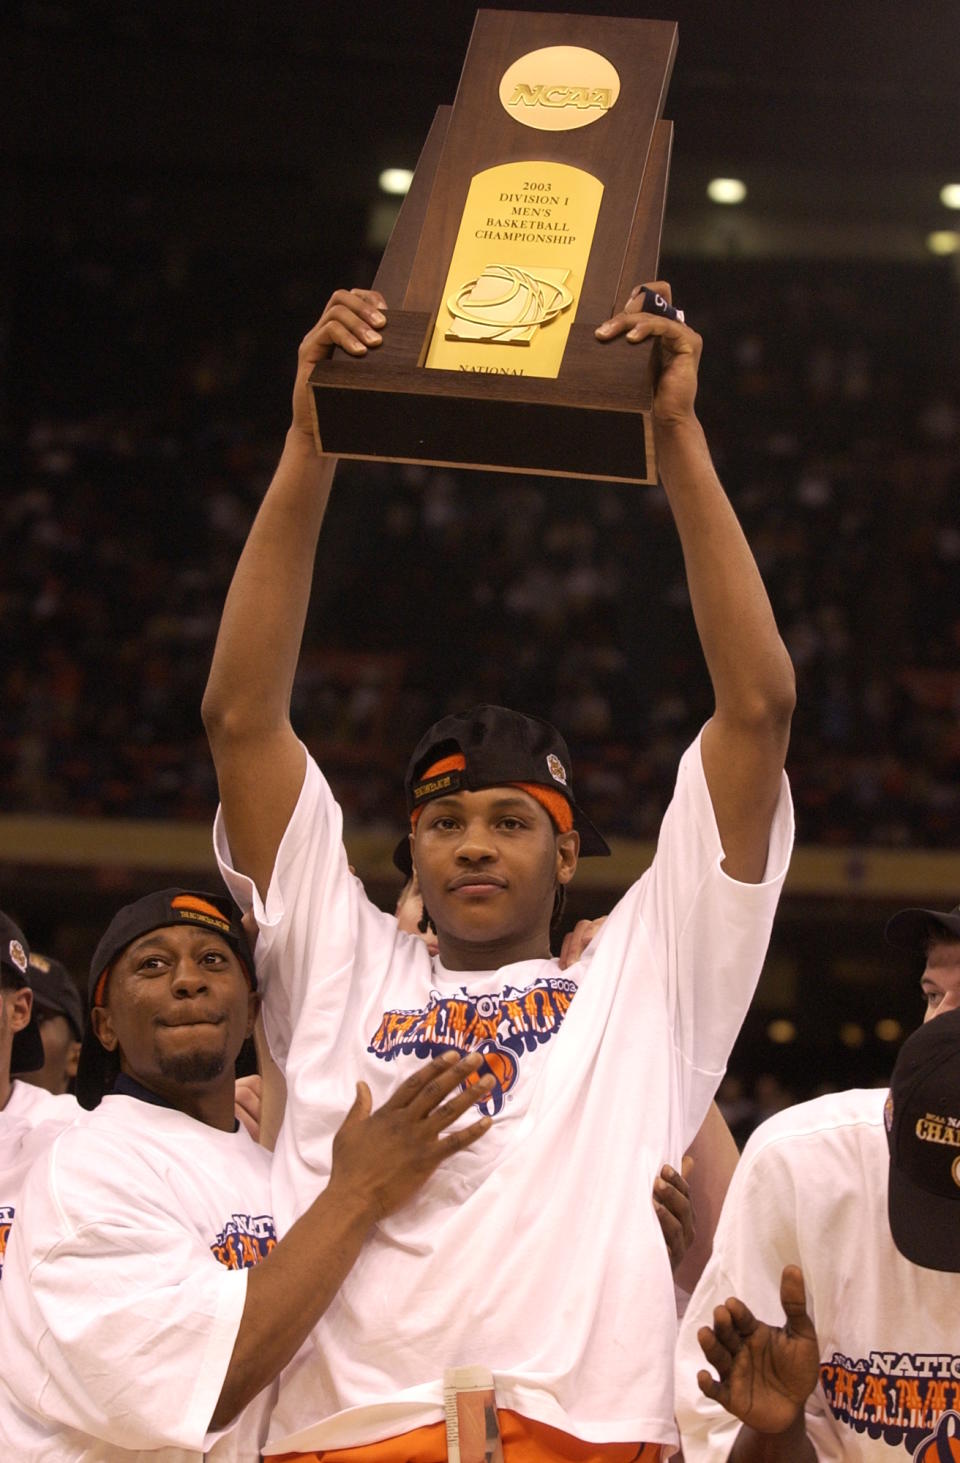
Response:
column 26, row 1052
column 912, row 929
column 922, row 1116
column 97, row 1067
column 499, row 747
column 55, row 990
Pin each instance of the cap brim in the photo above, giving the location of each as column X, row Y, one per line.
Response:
column 26, row 1051
column 925, row 1226
column 96, row 1070
column 402, row 858
column 910, row 929
column 592, row 842
column 73, row 1017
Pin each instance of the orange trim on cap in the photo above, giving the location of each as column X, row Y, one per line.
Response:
column 456, row 762
column 199, row 906
column 100, row 989
column 554, row 802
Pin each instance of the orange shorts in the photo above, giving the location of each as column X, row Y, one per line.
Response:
column 524, row 1441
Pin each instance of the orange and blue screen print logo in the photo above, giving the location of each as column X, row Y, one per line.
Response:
column 245, row 1240
column 6, row 1220
column 501, row 1026
column 906, row 1399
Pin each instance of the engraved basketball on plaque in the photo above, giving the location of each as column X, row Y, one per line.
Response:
column 536, row 205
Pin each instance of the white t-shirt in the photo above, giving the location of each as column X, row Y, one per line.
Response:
column 118, row 1322
column 31, row 1119
column 536, row 1252
column 811, row 1190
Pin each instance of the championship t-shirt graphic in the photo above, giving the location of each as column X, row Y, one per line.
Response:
column 501, row 1026
column 6, row 1221
column 908, row 1398
column 245, row 1240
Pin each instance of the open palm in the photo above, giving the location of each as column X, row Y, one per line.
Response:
column 764, row 1373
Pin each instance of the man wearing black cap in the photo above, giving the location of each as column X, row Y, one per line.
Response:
column 147, row 1303
column 537, row 1256
column 29, row 1116
column 59, row 1009
column 844, row 1216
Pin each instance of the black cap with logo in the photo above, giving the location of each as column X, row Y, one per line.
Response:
column 922, row 1116
column 98, row 1068
column 499, row 747
column 26, row 1053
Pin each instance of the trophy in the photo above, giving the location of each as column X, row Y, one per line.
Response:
column 536, row 205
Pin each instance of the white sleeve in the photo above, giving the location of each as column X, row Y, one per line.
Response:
column 756, row 1236
column 709, row 932
column 310, row 921
column 117, row 1320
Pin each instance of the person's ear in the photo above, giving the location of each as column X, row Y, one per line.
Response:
column 20, row 1007
column 568, row 854
column 73, row 1060
column 103, row 1028
column 253, row 1011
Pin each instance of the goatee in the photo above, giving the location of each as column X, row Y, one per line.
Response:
column 193, row 1067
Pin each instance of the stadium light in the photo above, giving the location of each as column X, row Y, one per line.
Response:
column 395, row 180
column 726, row 190
column 943, row 241
column 950, row 195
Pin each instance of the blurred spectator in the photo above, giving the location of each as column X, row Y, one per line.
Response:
column 137, row 464
column 59, row 1012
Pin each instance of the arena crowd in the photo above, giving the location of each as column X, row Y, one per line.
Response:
column 381, row 1282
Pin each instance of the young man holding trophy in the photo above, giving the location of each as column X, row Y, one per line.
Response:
column 533, row 1260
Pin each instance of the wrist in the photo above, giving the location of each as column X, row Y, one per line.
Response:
column 682, row 451
column 797, row 1428
column 790, row 1445
column 353, row 1204
column 300, row 442
column 685, row 426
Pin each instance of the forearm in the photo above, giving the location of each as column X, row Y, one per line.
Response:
column 791, row 1446
column 258, row 644
column 715, row 1157
column 288, row 1293
column 747, row 661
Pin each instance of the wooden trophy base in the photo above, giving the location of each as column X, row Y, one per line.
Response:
column 593, row 418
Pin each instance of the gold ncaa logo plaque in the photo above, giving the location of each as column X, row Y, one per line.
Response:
column 559, row 88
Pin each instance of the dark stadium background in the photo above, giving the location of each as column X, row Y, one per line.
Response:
column 183, row 186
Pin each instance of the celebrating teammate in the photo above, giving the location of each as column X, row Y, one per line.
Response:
column 844, row 1218
column 29, row 1115
column 537, row 1254
column 147, row 1304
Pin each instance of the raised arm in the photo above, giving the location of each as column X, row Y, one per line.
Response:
column 246, row 706
column 745, row 742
